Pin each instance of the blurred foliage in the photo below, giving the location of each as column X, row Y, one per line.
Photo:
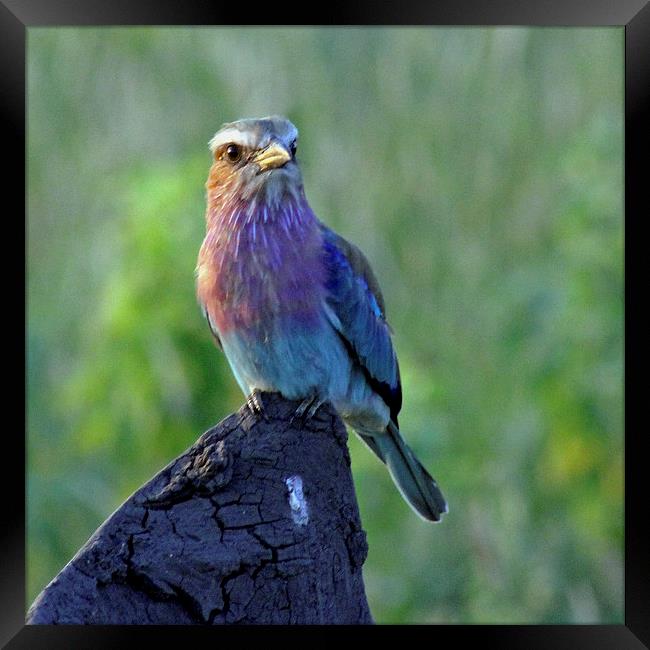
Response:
column 480, row 170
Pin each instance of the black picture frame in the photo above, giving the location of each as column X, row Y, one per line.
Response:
column 634, row 15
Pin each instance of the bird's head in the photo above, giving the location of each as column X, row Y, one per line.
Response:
column 254, row 160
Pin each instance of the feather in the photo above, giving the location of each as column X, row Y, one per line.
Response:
column 355, row 308
column 213, row 329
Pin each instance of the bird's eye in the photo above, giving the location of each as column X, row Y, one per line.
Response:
column 293, row 148
column 233, row 152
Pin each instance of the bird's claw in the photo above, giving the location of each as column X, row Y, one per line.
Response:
column 256, row 405
column 313, row 409
column 307, row 409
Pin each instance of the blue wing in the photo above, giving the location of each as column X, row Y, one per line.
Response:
column 358, row 315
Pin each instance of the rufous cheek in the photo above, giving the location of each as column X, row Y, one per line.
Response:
column 218, row 175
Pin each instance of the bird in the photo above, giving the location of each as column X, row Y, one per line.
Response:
column 295, row 307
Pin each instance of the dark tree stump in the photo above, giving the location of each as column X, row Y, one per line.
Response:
column 256, row 523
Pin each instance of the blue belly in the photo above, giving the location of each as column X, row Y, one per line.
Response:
column 294, row 359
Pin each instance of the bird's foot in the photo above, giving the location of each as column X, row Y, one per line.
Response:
column 307, row 409
column 256, row 405
column 313, row 409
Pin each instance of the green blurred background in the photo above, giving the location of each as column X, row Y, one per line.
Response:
column 481, row 172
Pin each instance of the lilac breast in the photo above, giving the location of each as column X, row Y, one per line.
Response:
column 263, row 271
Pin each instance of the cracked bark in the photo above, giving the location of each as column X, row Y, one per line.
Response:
column 256, row 523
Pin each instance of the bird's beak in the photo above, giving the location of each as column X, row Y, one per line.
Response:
column 273, row 156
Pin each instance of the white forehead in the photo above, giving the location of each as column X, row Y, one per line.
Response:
column 255, row 133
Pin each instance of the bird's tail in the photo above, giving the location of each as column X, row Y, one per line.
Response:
column 415, row 484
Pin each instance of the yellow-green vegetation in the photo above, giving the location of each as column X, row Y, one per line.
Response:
column 481, row 170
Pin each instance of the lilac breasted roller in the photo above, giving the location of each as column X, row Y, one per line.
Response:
column 295, row 307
